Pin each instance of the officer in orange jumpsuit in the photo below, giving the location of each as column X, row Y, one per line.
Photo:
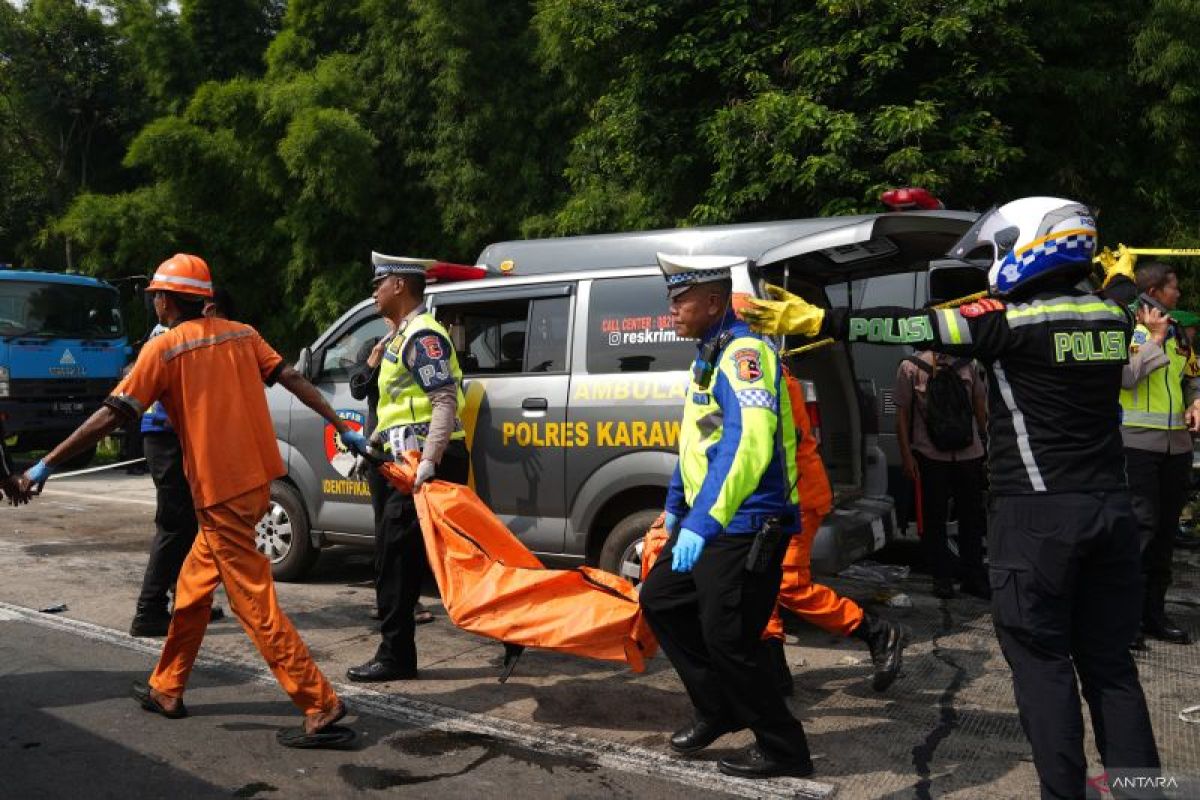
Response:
column 208, row 373
column 814, row 602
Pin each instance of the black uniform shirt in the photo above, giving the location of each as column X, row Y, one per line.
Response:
column 1054, row 369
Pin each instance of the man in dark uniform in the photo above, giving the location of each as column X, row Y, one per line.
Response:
column 420, row 399
column 731, row 507
column 364, row 385
column 1063, row 547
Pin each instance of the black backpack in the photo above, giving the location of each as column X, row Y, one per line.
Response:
column 949, row 415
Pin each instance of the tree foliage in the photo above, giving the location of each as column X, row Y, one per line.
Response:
column 284, row 141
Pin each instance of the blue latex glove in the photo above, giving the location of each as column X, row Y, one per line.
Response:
column 38, row 473
column 355, row 442
column 671, row 523
column 686, row 551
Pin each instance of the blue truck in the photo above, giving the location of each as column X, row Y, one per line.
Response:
column 63, row 347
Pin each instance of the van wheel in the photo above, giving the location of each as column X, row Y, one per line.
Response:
column 282, row 535
column 622, row 551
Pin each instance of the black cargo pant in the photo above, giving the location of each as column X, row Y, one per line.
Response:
column 1066, row 589
column 1159, row 485
column 174, row 520
column 379, row 488
column 962, row 482
column 401, row 564
column 709, row 622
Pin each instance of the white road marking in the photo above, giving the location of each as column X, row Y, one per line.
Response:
column 424, row 714
column 106, row 498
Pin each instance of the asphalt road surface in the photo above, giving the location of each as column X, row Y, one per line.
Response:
column 561, row 727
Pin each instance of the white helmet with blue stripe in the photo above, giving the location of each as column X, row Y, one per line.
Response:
column 1029, row 240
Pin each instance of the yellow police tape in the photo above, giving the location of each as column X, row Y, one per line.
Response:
column 1109, row 259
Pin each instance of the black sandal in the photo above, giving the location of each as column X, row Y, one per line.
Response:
column 328, row 736
column 141, row 692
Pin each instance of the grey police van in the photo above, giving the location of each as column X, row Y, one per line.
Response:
column 574, row 383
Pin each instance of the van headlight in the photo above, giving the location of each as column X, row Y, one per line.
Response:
column 5, row 387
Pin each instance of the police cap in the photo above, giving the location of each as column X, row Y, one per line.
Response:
column 683, row 272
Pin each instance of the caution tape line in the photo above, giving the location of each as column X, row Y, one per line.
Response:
column 423, row 714
column 90, row 470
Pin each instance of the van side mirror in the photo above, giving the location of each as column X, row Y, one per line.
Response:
column 304, row 363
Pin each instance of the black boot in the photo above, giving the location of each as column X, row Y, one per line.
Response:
column 150, row 621
column 512, row 654
column 1155, row 622
column 778, row 667
column 886, row 641
column 1160, row 626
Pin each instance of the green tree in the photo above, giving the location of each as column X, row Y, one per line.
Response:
column 746, row 109
column 61, row 90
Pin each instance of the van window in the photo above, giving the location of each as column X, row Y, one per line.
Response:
column 350, row 347
column 629, row 328
column 509, row 337
column 879, row 290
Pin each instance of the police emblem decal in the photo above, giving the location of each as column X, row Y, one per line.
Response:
column 748, row 368
column 339, row 457
column 432, row 345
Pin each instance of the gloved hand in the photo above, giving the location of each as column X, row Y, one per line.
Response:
column 425, row 472
column 355, row 442
column 671, row 523
column 785, row 314
column 37, row 475
column 361, row 468
column 686, row 550
column 1121, row 262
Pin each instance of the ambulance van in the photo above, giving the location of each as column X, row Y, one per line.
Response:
column 574, row 383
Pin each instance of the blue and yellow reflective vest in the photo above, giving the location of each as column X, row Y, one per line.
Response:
column 737, row 464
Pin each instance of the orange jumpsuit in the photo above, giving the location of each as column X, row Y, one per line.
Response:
column 208, row 373
column 812, row 602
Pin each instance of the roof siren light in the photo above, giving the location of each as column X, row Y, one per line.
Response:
column 911, row 199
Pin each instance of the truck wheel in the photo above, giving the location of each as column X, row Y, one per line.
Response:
column 282, row 535
column 622, row 551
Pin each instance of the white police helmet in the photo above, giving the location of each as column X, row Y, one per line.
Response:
column 1029, row 240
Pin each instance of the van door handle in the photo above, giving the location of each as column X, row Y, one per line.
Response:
column 535, row 404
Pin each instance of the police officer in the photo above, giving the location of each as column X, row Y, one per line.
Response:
column 1063, row 548
column 420, row 399
column 731, row 506
column 1159, row 402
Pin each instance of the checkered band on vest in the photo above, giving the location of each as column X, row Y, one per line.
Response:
column 756, row 398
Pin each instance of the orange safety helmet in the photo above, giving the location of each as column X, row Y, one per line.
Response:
column 183, row 273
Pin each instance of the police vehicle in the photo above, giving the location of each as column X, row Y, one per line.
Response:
column 574, row 382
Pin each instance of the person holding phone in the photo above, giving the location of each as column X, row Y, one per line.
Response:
column 1160, row 409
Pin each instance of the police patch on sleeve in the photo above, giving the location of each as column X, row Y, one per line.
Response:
column 1140, row 337
column 980, row 307
column 749, row 368
column 430, row 361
